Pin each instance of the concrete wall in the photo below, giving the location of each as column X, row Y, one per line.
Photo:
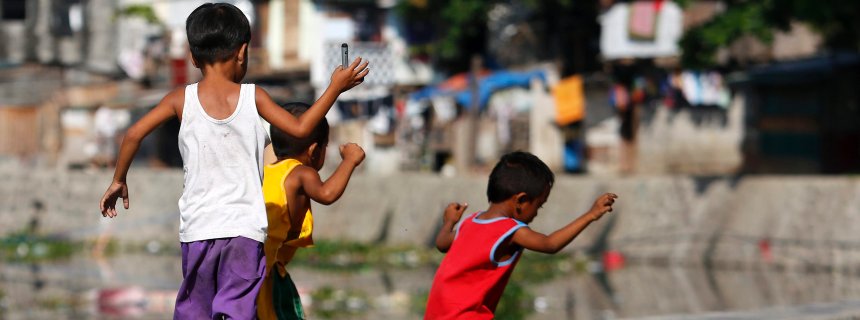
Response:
column 797, row 221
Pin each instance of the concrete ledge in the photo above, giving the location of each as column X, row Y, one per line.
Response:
column 795, row 222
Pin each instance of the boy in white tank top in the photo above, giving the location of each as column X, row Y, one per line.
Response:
column 221, row 139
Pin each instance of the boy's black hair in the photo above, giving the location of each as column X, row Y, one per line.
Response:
column 519, row 172
column 215, row 31
column 287, row 146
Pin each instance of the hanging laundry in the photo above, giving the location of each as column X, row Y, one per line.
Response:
column 642, row 23
column 381, row 122
column 656, row 38
column 711, row 83
column 618, row 97
column 414, row 108
column 400, row 108
column 574, row 161
column 704, row 88
column 445, row 108
column 638, row 94
column 721, row 96
column 569, row 97
column 691, row 87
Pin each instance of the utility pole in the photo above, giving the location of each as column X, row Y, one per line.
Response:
column 465, row 140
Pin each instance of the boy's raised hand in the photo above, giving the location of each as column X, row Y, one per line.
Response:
column 446, row 234
column 454, row 211
column 352, row 152
column 115, row 191
column 345, row 79
column 602, row 205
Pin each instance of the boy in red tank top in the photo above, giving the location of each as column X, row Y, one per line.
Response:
column 485, row 247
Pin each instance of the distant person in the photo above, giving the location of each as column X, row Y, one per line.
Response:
column 289, row 185
column 221, row 211
column 483, row 250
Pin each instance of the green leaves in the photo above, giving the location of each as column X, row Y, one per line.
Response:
column 140, row 10
column 460, row 26
column 836, row 20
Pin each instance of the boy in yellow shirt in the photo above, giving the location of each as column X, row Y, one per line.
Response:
column 289, row 185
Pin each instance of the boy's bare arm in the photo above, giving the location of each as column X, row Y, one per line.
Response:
column 163, row 111
column 329, row 191
column 446, row 235
column 341, row 80
column 532, row 240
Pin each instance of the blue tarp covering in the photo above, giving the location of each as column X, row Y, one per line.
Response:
column 486, row 86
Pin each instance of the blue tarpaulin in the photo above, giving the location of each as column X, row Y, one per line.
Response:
column 486, row 87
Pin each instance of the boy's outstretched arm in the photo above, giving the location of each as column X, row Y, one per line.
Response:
column 163, row 111
column 341, row 80
column 529, row 239
column 446, row 235
column 329, row 191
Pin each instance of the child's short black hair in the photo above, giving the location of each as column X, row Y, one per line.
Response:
column 286, row 146
column 519, row 172
column 215, row 31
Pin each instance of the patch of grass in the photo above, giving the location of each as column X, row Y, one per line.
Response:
column 331, row 303
column 418, row 302
column 533, row 268
column 351, row 256
column 54, row 303
column 23, row 247
column 516, row 303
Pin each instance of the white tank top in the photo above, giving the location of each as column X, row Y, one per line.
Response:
column 223, row 163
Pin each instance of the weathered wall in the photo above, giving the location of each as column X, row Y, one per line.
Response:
column 805, row 220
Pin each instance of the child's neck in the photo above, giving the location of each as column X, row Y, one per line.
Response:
column 304, row 159
column 221, row 72
column 497, row 210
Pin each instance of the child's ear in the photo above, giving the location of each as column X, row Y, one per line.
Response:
column 312, row 150
column 521, row 197
column 243, row 51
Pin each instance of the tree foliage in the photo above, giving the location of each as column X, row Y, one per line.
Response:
column 453, row 29
column 457, row 29
column 143, row 11
column 838, row 21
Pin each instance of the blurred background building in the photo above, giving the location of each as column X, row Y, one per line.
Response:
column 590, row 86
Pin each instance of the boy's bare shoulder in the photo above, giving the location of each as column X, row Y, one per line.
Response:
column 304, row 171
column 298, row 177
column 176, row 95
column 175, row 98
column 260, row 93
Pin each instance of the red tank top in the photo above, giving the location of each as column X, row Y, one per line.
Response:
column 469, row 282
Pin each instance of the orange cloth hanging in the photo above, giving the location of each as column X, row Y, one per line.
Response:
column 569, row 100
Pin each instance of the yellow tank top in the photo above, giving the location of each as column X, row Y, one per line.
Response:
column 278, row 248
